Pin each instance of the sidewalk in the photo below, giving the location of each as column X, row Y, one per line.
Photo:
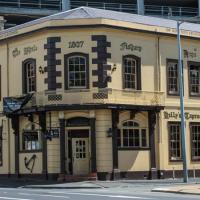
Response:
column 180, row 189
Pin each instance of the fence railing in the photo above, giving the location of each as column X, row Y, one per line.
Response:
column 105, row 96
column 121, row 7
column 170, row 11
column 132, row 8
column 37, row 4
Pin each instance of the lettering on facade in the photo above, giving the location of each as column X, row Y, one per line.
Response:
column 189, row 54
column 29, row 50
column 16, row 52
column 30, row 163
column 174, row 115
column 75, row 44
column 132, row 47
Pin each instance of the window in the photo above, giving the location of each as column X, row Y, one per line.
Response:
column 132, row 135
column 131, row 72
column 195, row 140
column 76, row 71
column 1, row 145
column 194, row 78
column 29, row 76
column 172, row 77
column 31, row 141
column 174, row 141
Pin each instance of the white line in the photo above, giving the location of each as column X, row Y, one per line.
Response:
column 12, row 198
column 44, row 195
column 101, row 195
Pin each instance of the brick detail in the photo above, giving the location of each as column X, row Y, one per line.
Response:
column 52, row 62
column 101, row 61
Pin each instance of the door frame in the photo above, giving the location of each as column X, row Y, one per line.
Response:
column 69, row 148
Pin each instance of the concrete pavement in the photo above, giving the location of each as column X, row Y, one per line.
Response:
column 193, row 189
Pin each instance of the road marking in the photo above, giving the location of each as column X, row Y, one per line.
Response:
column 12, row 198
column 100, row 195
column 45, row 195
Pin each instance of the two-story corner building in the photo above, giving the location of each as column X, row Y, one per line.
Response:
column 91, row 91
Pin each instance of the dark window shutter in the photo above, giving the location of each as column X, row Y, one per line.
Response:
column 24, row 82
column 139, row 82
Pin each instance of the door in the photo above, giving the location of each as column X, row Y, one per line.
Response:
column 80, row 156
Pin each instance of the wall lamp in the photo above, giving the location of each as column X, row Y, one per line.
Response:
column 41, row 70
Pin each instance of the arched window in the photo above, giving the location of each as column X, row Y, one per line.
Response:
column 29, row 75
column 131, row 72
column 76, row 71
column 132, row 135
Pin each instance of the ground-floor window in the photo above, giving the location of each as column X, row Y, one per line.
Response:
column 132, row 135
column 31, row 140
column 1, row 146
column 195, row 140
column 174, row 141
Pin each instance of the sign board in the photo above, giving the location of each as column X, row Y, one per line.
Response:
column 13, row 104
column 54, row 132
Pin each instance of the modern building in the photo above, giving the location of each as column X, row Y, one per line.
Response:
column 92, row 91
column 20, row 11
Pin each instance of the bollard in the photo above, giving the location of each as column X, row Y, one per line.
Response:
column 173, row 173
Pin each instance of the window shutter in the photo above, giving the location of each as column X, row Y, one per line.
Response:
column 24, row 83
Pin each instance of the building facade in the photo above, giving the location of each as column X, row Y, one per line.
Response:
column 20, row 11
column 95, row 92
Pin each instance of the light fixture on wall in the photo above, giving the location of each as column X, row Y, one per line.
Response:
column 41, row 70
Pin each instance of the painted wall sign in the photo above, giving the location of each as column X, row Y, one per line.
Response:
column 177, row 115
column 30, row 163
column 132, row 47
column 189, row 54
column 28, row 50
column 16, row 52
column 75, row 44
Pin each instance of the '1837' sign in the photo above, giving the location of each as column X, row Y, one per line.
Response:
column 75, row 44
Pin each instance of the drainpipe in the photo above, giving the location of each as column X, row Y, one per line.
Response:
column 8, row 121
column 65, row 5
column 140, row 7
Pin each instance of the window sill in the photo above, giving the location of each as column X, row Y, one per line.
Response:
column 178, row 160
column 134, row 148
column 31, row 151
column 195, row 159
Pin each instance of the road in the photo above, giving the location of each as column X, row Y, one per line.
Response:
column 117, row 193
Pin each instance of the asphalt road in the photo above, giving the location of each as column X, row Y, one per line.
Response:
column 117, row 193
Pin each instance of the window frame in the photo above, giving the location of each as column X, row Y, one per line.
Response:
column 1, row 146
column 169, row 145
column 192, row 63
column 24, row 75
column 138, row 72
column 167, row 68
column 191, row 141
column 23, row 146
column 66, row 70
column 121, row 138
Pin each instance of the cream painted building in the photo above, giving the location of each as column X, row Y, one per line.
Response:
column 93, row 92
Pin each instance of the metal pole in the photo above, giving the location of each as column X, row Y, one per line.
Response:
column 183, row 135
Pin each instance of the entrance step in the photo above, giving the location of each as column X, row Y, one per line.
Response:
column 77, row 178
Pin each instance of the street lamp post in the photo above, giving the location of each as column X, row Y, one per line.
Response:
column 181, row 93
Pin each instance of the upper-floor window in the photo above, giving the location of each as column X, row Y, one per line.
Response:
column 172, row 77
column 195, row 140
column 174, row 141
column 29, row 75
column 131, row 72
column 76, row 71
column 132, row 135
column 194, row 78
